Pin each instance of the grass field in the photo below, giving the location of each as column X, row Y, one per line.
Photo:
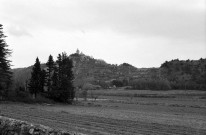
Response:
column 121, row 112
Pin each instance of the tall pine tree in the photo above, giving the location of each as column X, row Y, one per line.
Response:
column 55, row 79
column 67, row 77
column 5, row 73
column 62, row 80
column 59, row 68
column 35, row 84
column 50, row 68
column 43, row 80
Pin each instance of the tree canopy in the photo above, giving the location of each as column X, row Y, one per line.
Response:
column 62, row 80
column 50, row 67
column 5, row 73
column 35, row 84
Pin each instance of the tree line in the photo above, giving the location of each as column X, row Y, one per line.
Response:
column 189, row 74
column 175, row 74
column 55, row 81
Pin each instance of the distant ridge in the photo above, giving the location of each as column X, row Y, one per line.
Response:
column 93, row 71
column 88, row 69
column 89, row 72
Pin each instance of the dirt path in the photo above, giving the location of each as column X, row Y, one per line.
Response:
column 91, row 124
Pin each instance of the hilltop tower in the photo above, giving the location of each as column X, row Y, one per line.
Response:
column 77, row 51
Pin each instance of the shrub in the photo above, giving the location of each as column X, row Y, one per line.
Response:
column 117, row 83
column 150, row 84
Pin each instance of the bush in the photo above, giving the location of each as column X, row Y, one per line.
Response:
column 104, row 85
column 19, row 94
column 61, row 95
column 150, row 84
column 84, row 94
column 25, row 97
column 117, row 83
column 187, row 86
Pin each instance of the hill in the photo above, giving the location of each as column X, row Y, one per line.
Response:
column 189, row 74
column 91, row 73
column 88, row 70
column 98, row 72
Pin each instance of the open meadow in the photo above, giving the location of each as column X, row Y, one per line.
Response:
column 120, row 112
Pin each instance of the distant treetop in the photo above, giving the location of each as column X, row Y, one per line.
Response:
column 126, row 64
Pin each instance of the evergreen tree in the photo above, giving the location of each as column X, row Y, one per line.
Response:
column 5, row 74
column 59, row 68
column 43, row 80
column 67, row 77
column 35, row 85
column 55, row 79
column 62, row 80
column 50, row 68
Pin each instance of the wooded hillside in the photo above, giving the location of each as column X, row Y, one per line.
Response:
column 93, row 73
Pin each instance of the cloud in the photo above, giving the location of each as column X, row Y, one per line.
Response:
column 172, row 18
column 146, row 31
column 18, row 31
column 157, row 18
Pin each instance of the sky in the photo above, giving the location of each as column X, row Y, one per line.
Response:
column 143, row 33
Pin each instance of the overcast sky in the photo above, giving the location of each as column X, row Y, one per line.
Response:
column 144, row 33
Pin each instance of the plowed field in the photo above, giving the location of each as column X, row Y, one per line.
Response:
column 104, row 120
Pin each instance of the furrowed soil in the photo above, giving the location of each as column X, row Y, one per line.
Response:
column 119, row 115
